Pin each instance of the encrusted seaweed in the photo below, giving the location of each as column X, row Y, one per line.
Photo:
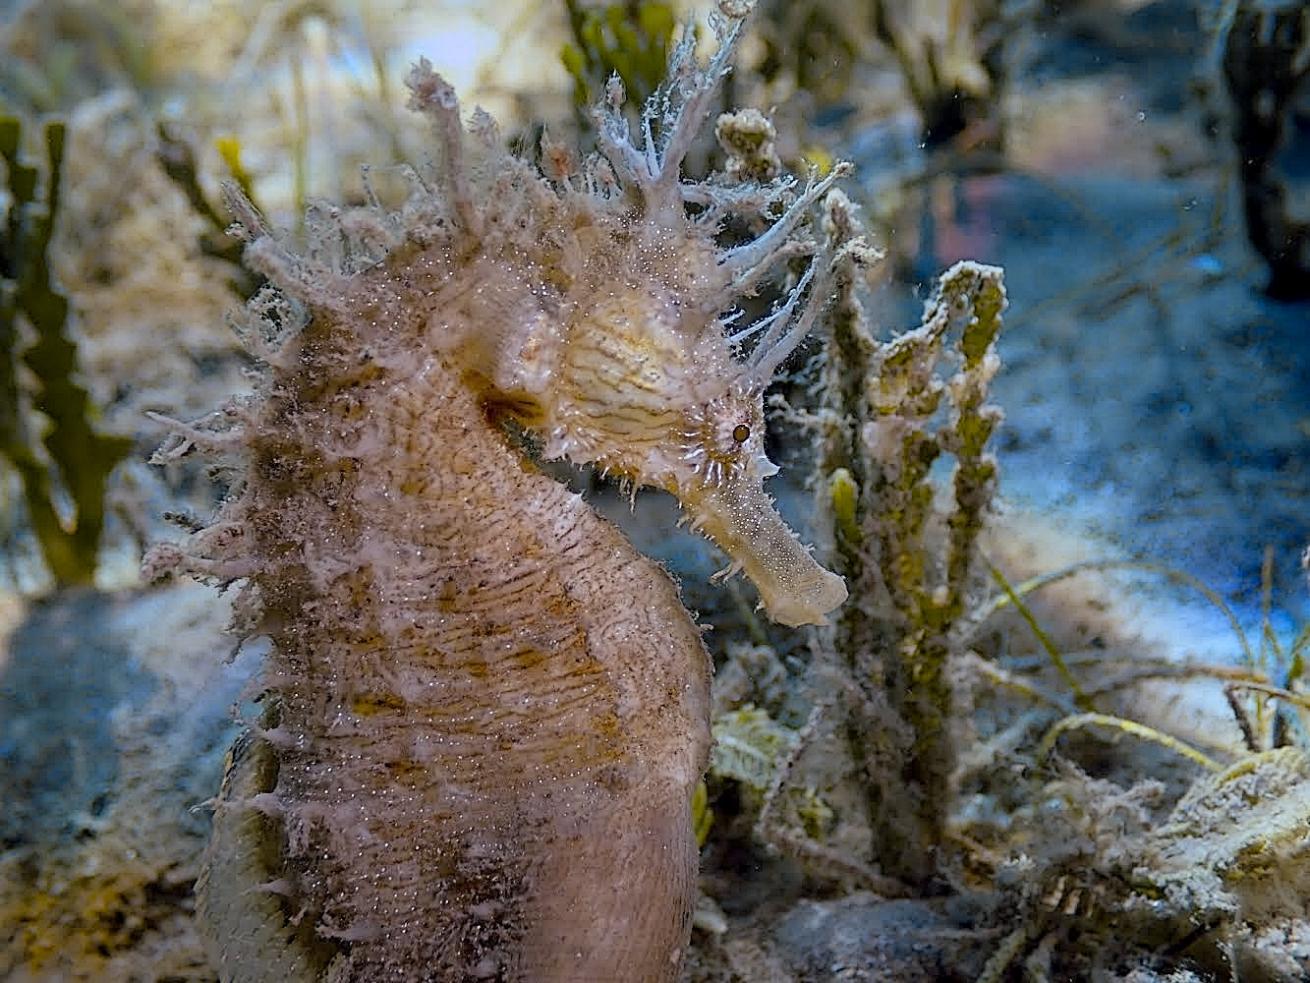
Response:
column 64, row 487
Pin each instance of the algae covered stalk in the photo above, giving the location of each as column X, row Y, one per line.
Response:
column 880, row 437
column 80, row 459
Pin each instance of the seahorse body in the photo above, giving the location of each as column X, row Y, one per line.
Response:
column 485, row 712
column 479, row 763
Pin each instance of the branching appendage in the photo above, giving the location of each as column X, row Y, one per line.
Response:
column 484, row 711
column 878, row 445
column 928, row 597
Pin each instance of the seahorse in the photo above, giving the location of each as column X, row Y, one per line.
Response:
column 484, row 712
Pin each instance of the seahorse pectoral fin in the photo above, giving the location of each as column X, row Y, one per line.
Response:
column 742, row 520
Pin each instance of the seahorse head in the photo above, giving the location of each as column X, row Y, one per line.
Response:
column 600, row 324
column 650, row 387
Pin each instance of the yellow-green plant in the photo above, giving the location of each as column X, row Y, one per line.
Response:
column 886, row 419
column 178, row 159
column 63, row 472
column 630, row 39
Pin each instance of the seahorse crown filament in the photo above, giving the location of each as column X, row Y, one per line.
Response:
column 485, row 712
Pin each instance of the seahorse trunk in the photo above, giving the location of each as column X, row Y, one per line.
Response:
column 490, row 709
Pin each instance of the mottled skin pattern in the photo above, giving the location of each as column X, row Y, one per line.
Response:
column 485, row 763
column 485, row 712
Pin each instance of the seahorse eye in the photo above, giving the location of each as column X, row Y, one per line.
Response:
column 741, row 433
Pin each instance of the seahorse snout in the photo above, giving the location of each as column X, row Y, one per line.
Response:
column 742, row 520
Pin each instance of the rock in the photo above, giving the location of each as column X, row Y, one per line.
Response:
column 866, row 938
